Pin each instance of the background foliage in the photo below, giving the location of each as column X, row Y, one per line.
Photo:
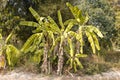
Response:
column 102, row 15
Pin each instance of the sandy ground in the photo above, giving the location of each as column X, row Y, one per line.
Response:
column 14, row 75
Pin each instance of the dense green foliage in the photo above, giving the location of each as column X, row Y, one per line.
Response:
column 62, row 38
column 116, row 41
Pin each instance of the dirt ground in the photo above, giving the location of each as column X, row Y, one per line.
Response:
column 19, row 75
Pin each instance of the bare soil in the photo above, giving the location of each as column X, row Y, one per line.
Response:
column 15, row 75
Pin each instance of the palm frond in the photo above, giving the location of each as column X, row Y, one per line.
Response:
column 60, row 20
column 96, row 30
column 95, row 41
column 78, row 63
column 36, row 15
column 70, row 20
column 75, row 11
column 9, row 36
column 13, row 55
column 70, row 25
column 30, row 41
column 86, row 18
column 54, row 27
column 90, row 39
column 29, row 23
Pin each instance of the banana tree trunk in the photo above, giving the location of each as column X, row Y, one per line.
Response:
column 77, row 47
column 60, row 61
column 44, row 66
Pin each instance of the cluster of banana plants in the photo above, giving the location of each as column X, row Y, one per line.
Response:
column 51, row 40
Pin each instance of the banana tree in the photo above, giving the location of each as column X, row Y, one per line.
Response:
column 63, row 37
column 76, row 51
column 73, row 58
column 11, row 52
column 40, row 41
column 2, row 58
column 89, row 30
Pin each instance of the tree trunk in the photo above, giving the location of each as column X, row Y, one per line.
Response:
column 44, row 66
column 77, row 47
column 49, row 66
column 60, row 61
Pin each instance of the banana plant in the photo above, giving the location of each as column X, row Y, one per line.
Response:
column 11, row 52
column 63, row 37
column 73, row 59
column 2, row 58
column 89, row 30
column 40, row 41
